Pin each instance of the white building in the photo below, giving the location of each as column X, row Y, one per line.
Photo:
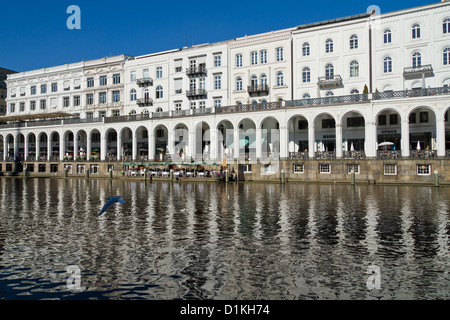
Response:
column 332, row 89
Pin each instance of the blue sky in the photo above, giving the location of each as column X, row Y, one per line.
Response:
column 34, row 33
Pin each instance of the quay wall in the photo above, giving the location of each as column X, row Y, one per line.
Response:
column 368, row 171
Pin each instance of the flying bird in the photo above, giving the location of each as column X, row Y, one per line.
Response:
column 112, row 200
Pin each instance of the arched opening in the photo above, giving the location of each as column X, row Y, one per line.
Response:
column 325, row 134
column 181, row 138
column 161, row 141
column 81, row 145
column 298, row 137
column 42, row 145
column 422, row 132
column 270, row 138
column 9, row 141
column 389, row 134
column 127, row 144
column 95, row 145
column 225, row 139
column 31, row 152
column 247, row 140
column 142, row 143
column 447, row 132
column 202, row 142
column 69, row 146
column 353, row 135
column 54, row 146
column 111, row 145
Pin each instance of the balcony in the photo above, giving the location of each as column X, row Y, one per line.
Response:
column 413, row 93
column 144, row 102
column 298, row 155
column 417, row 72
column 196, row 93
column 330, row 81
column 144, row 82
column 264, row 88
column 201, row 69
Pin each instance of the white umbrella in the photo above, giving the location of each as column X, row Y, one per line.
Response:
column 418, row 145
column 386, row 143
column 352, row 148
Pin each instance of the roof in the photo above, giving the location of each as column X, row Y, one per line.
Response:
column 325, row 22
column 4, row 73
column 50, row 115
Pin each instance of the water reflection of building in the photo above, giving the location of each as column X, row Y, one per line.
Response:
column 328, row 90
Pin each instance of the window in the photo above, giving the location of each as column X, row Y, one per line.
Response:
column 202, row 83
column 89, row 115
column 116, row 78
column 280, row 79
column 159, row 92
column 115, row 113
column 22, row 106
column 12, row 107
column 306, row 75
column 390, row 169
column 393, row 119
column 90, row 82
column 159, row 72
column 329, row 94
column 387, row 36
column 177, row 106
column 116, row 96
column 329, row 71
column 254, row 57
column 423, row 117
column 102, row 97
column 387, row 65
column 54, row 87
column 133, row 76
column 254, row 81
column 353, row 167
column 354, row 42
column 43, row 88
column 263, row 56
column 202, row 104
column 217, row 60
column 324, row 168
column 90, row 99
column 103, row 81
column 329, row 46
column 217, row 103
column 102, row 114
column 32, row 105
column 217, row 82
column 76, row 101
column 238, row 60
column 354, row 69
column 263, row 80
column 306, row 49
column 446, row 26
column 423, row 169
column 416, row 31
column 193, row 105
column 446, row 57
column 269, row 168
column 33, row 90
column 66, row 102
column 306, row 96
column 299, row 168
column 354, row 91
column 416, row 59
column 247, row 168
column 133, row 95
column 355, row 122
column 382, row 120
column 279, row 54
column 43, row 104
column 239, row 84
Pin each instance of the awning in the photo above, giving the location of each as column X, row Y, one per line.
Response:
column 49, row 115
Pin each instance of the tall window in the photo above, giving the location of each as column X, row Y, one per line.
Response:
column 387, row 65
column 159, row 92
column 133, row 95
column 254, row 81
column 159, row 72
column 116, row 78
column 416, row 31
column 416, row 59
column 263, row 56
column 239, row 84
column 354, row 69
column 54, row 87
column 44, row 88
column 254, row 57
column 238, row 60
column 446, row 56
column 116, row 96
column 329, row 71
column 446, row 26
column 279, row 53
column 103, row 81
column 329, row 46
column 306, row 75
column 146, row 74
column 133, row 76
column 217, row 82
column 217, row 60
column 354, row 42
column 280, row 79
column 387, row 36
column 102, row 97
column 263, row 80
column 306, row 49
column 90, row 99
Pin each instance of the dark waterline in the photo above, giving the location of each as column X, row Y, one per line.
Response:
column 222, row 241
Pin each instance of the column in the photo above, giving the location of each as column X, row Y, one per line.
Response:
column 119, row 146
column 171, row 142
column 440, row 137
column 213, row 144
column 103, row 146
column 405, row 138
column 49, row 146
column 370, row 132
column 151, row 144
column 311, row 140
column 192, row 151
column 75, row 146
column 25, row 148
column 62, row 147
column 236, row 143
column 88, row 147
column 134, row 145
column 259, row 143
column 16, row 146
column 284, row 142
column 339, row 148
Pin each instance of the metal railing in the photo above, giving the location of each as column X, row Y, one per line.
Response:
column 423, row 154
column 413, row 93
column 328, row 100
column 249, row 107
column 298, row 155
column 144, row 81
column 390, row 154
column 196, row 70
column 354, row 155
column 198, row 92
column 325, row 155
column 144, row 102
column 257, row 88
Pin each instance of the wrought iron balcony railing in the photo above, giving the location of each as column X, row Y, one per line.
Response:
column 258, row 88
column 144, row 82
column 330, row 81
column 196, row 93
column 418, row 71
column 196, row 70
column 144, row 102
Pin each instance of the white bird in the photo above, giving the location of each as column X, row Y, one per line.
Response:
column 112, row 200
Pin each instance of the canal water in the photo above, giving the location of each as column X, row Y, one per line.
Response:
column 222, row 241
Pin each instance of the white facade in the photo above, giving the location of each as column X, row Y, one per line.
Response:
column 326, row 89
